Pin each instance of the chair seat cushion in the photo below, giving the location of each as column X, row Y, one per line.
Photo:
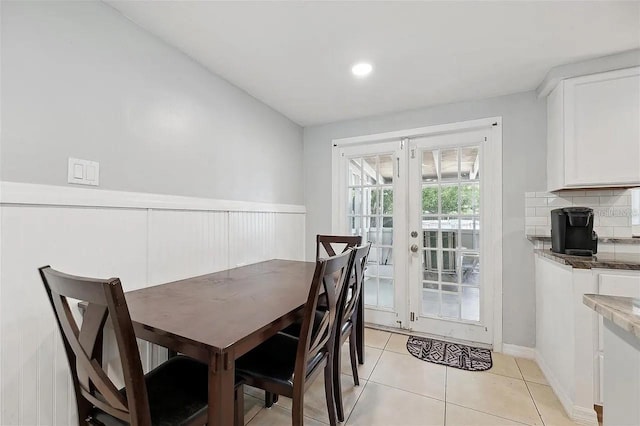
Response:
column 274, row 361
column 177, row 390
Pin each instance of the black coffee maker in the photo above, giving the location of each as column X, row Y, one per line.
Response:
column 572, row 231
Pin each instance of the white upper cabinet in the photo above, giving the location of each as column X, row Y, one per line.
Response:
column 593, row 131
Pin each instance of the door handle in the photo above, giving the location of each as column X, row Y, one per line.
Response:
column 414, row 248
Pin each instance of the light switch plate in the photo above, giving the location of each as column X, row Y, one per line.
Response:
column 83, row 172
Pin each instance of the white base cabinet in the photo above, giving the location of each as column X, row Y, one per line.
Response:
column 622, row 372
column 569, row 344
column 593, row 131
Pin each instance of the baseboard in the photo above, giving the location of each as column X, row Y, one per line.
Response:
column 518, row 351
column 581, row 415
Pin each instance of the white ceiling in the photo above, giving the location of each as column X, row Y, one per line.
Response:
column 296, row 56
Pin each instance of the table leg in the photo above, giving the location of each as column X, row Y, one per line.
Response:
column 360, row 327
column 221, row 389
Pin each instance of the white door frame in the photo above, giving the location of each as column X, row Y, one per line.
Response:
column 494, row 216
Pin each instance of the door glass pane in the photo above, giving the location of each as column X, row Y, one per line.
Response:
column 370, row 170
column 470, row 198
column 470, row 303
column 430, row 200
column 371, row 291
column 430, row 265
column 450, row 305
column 374, row 206
column 355, row 172
column 449, row 199
column 430, row 303
column 470, row 269
column 429, row 170
column 385, row 292
column 386, row 169
column 449, row 164
column 470, row 163
column 387, row 201
column 355, row 201
column 469, row 237
column 449, row 267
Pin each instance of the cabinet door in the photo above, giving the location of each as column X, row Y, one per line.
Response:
column 555, row 139
column 602, row 129
column 612, row 284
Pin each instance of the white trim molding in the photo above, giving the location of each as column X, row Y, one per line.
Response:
column 50, row 195
column 581, row 415
column 518, row 351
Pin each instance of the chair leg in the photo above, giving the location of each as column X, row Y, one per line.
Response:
column 297, row 409
column 239, row 406
column 268, row 399
column 354, row 360
column 328, row 390
column 274, row 397
column 337, row 385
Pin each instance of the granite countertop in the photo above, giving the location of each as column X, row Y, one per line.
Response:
column 604, row 240
column 622, row 311
column 625, row 261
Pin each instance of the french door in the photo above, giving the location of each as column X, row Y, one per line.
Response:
column 372, row 202
column 426, row 203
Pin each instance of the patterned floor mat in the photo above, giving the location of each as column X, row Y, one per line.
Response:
column 452, row 354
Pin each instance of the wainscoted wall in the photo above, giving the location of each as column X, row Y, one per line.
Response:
column 144, row 239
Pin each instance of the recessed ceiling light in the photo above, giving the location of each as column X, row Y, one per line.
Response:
column 362, row 69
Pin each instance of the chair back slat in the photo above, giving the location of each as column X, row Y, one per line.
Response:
column 348, row 304
column 93, row 322
column 83, row 345
column 330, row 277
column 331, row 245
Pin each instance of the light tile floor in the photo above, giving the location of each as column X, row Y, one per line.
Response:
column 398, row 389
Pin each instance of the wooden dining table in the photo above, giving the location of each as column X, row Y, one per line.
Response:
column 217, row 318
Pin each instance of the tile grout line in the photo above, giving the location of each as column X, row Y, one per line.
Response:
column 489, row 414
column 446, row 380
column 535, row 404
column 355, row 404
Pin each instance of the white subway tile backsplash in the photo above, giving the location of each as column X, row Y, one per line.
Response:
column 616, row 200
column 543, row 211
column 586, row 201
column 617, row 221
column 571, row 193
column 535, row 202
column 627, row 248
column 612, row 212
column 543, row 231
column 604, row 231
column 606, row 247
column 599, row 192
column 536, row 221
column 558, row 203
column 622, row 232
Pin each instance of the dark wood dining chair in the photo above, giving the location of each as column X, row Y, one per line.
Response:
column 327, row 244
column 348, row 318
column 174, row 393
column 286, row 365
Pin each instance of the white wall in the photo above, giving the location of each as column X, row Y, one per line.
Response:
column 524, row 169
column 81, row 80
